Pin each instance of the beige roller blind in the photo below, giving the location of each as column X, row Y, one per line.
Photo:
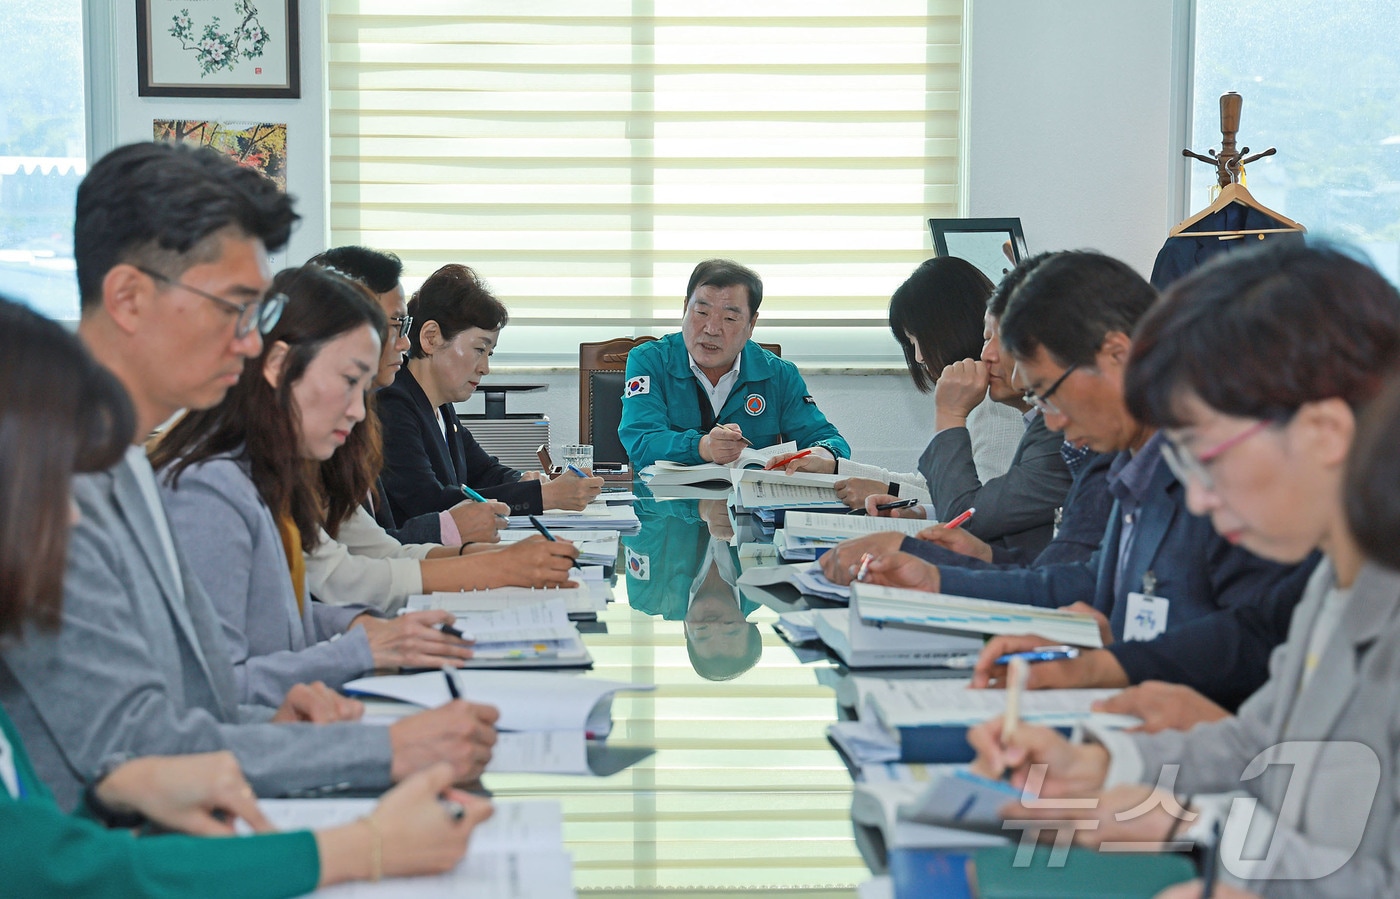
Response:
column 583, row 156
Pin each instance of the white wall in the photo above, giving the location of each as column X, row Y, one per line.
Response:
column 1071, row 111
column 131, row 115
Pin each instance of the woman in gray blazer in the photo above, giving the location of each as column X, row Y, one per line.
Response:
column 242, row 484
column 1255, row 368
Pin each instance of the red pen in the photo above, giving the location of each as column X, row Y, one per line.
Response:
column 960, row 520
column 775, row 463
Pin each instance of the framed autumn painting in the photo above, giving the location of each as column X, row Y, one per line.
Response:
column 217, row 48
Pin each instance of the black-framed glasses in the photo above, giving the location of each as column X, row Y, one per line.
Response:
column 402, row 323
column 262, row 314
column 1042, row 400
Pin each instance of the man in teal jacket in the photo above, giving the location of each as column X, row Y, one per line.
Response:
column 704, row 394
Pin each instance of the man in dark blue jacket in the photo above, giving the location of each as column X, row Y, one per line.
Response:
column 1183, row 604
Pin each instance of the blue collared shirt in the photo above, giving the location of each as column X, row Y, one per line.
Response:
column 1128, row 479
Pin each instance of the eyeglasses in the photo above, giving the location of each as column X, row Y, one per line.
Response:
column 1188, row 466
column 1042, row 401
column 262, row 314
column 402, row 323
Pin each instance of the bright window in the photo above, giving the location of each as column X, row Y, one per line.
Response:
column 1321, row 82
column 42, row 156
column 584, row 156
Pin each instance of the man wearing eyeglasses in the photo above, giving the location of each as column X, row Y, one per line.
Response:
column 171, row 245
column 1179, row 602
column 707, row 393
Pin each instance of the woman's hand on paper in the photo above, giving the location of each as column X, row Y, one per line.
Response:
column 479, row 522
column 411, row 832
column 413, row 640
column 315, row 703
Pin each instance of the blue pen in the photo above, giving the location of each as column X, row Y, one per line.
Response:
column 576, row 470
column 471, row 494
column 539, row 526
column 1042, row 654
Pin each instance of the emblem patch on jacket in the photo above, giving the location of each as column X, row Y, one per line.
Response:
column 809, row 401
column 638, row 385
column 754, row 404
column 638, row 565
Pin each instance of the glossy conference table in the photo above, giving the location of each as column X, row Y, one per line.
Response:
column 718, row 788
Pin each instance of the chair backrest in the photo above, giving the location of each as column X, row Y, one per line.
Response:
column 601, row 372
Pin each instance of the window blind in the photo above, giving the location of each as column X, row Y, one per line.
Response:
column 583, row 157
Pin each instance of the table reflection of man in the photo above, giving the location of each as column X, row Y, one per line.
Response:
column 677, row 570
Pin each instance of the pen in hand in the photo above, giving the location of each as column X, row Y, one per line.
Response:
column 576, row 470
column 1041, row 654
column 865, row 561
column 784, row 460
column 539, row 526
column 960, row 520
column 450, row 675
column 1018, row 671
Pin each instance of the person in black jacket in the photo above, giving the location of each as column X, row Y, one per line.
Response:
column 428, row 455
column 466, row 522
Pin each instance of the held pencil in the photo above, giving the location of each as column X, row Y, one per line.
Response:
column 961, row 520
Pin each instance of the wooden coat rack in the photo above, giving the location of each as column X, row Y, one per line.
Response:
column 1229, row 164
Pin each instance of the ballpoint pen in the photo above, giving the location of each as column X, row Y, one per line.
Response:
column 960, row 520
column 1041, row 654
column 472, row 495
column 450, row 676
column 576, row 470
column 773, row 463
column 865, row 561
column 539, row 526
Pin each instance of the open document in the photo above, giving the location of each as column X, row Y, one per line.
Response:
column 663, row 473
column 527, row 700
column 517, row 853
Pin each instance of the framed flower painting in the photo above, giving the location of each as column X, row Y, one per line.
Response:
column 218, row 48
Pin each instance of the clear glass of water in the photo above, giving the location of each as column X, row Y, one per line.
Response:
column 579, row 455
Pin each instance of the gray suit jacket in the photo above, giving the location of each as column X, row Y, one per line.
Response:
column 133, row 671
column 1015, row 511
column 234, row 547
column 1354, row 695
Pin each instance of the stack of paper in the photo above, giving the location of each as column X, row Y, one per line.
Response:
column 517, row 853
column 806, row 578
column 594, row 517
column 805, row 534
column 586, row 600
column 775, row 490
column 862, row 645
column 595, row 547
column 524, row 634
column 940, row 611
column 887, row 805
column 900, row 703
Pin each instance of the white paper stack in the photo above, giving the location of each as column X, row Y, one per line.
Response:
column 595, row 516
column 595, row 547
column 663, row 473
column 941, row 611
column 587, row 599
column 517, row 853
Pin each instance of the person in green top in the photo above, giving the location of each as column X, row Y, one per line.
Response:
column 61, row 413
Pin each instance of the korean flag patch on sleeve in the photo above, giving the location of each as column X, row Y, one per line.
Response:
column 636, row 386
